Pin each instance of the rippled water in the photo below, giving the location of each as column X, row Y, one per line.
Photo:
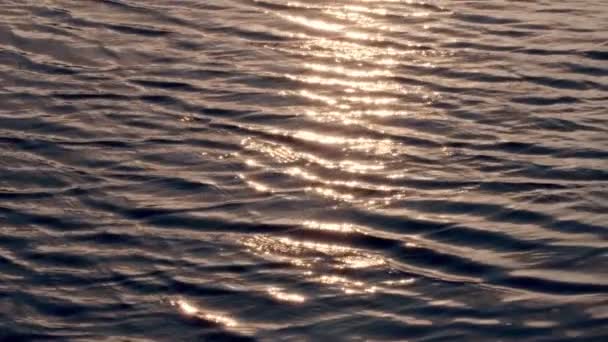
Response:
column 304, row 170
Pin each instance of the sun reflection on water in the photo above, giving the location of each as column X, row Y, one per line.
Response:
column 345, row 79
column 314, row 23
column 332, row 227
column 321, row 262
column 348, row 72
column 286, row 297
column 348, row 64
column 188, row 309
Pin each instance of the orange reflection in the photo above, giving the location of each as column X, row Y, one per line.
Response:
column 286, row 297
column 349, row 72
column 347, row 285
column 350, row 69
column 332, row 227
column 188, row 309
column 314, row 23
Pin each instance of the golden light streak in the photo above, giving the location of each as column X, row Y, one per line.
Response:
column 332, row 227
column 314, row 23
column 286, row 297
column 189, row 309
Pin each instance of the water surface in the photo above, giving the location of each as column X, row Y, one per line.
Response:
column 304, row 170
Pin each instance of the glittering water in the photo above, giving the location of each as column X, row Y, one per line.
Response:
column 304, row 170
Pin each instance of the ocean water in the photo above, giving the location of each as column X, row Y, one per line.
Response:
column 306, row 170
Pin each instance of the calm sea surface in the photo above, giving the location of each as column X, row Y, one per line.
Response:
column 307, row 170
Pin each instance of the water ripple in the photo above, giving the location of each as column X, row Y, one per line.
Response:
column 303, row 170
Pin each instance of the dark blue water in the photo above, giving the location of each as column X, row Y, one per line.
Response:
column 303, row 170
